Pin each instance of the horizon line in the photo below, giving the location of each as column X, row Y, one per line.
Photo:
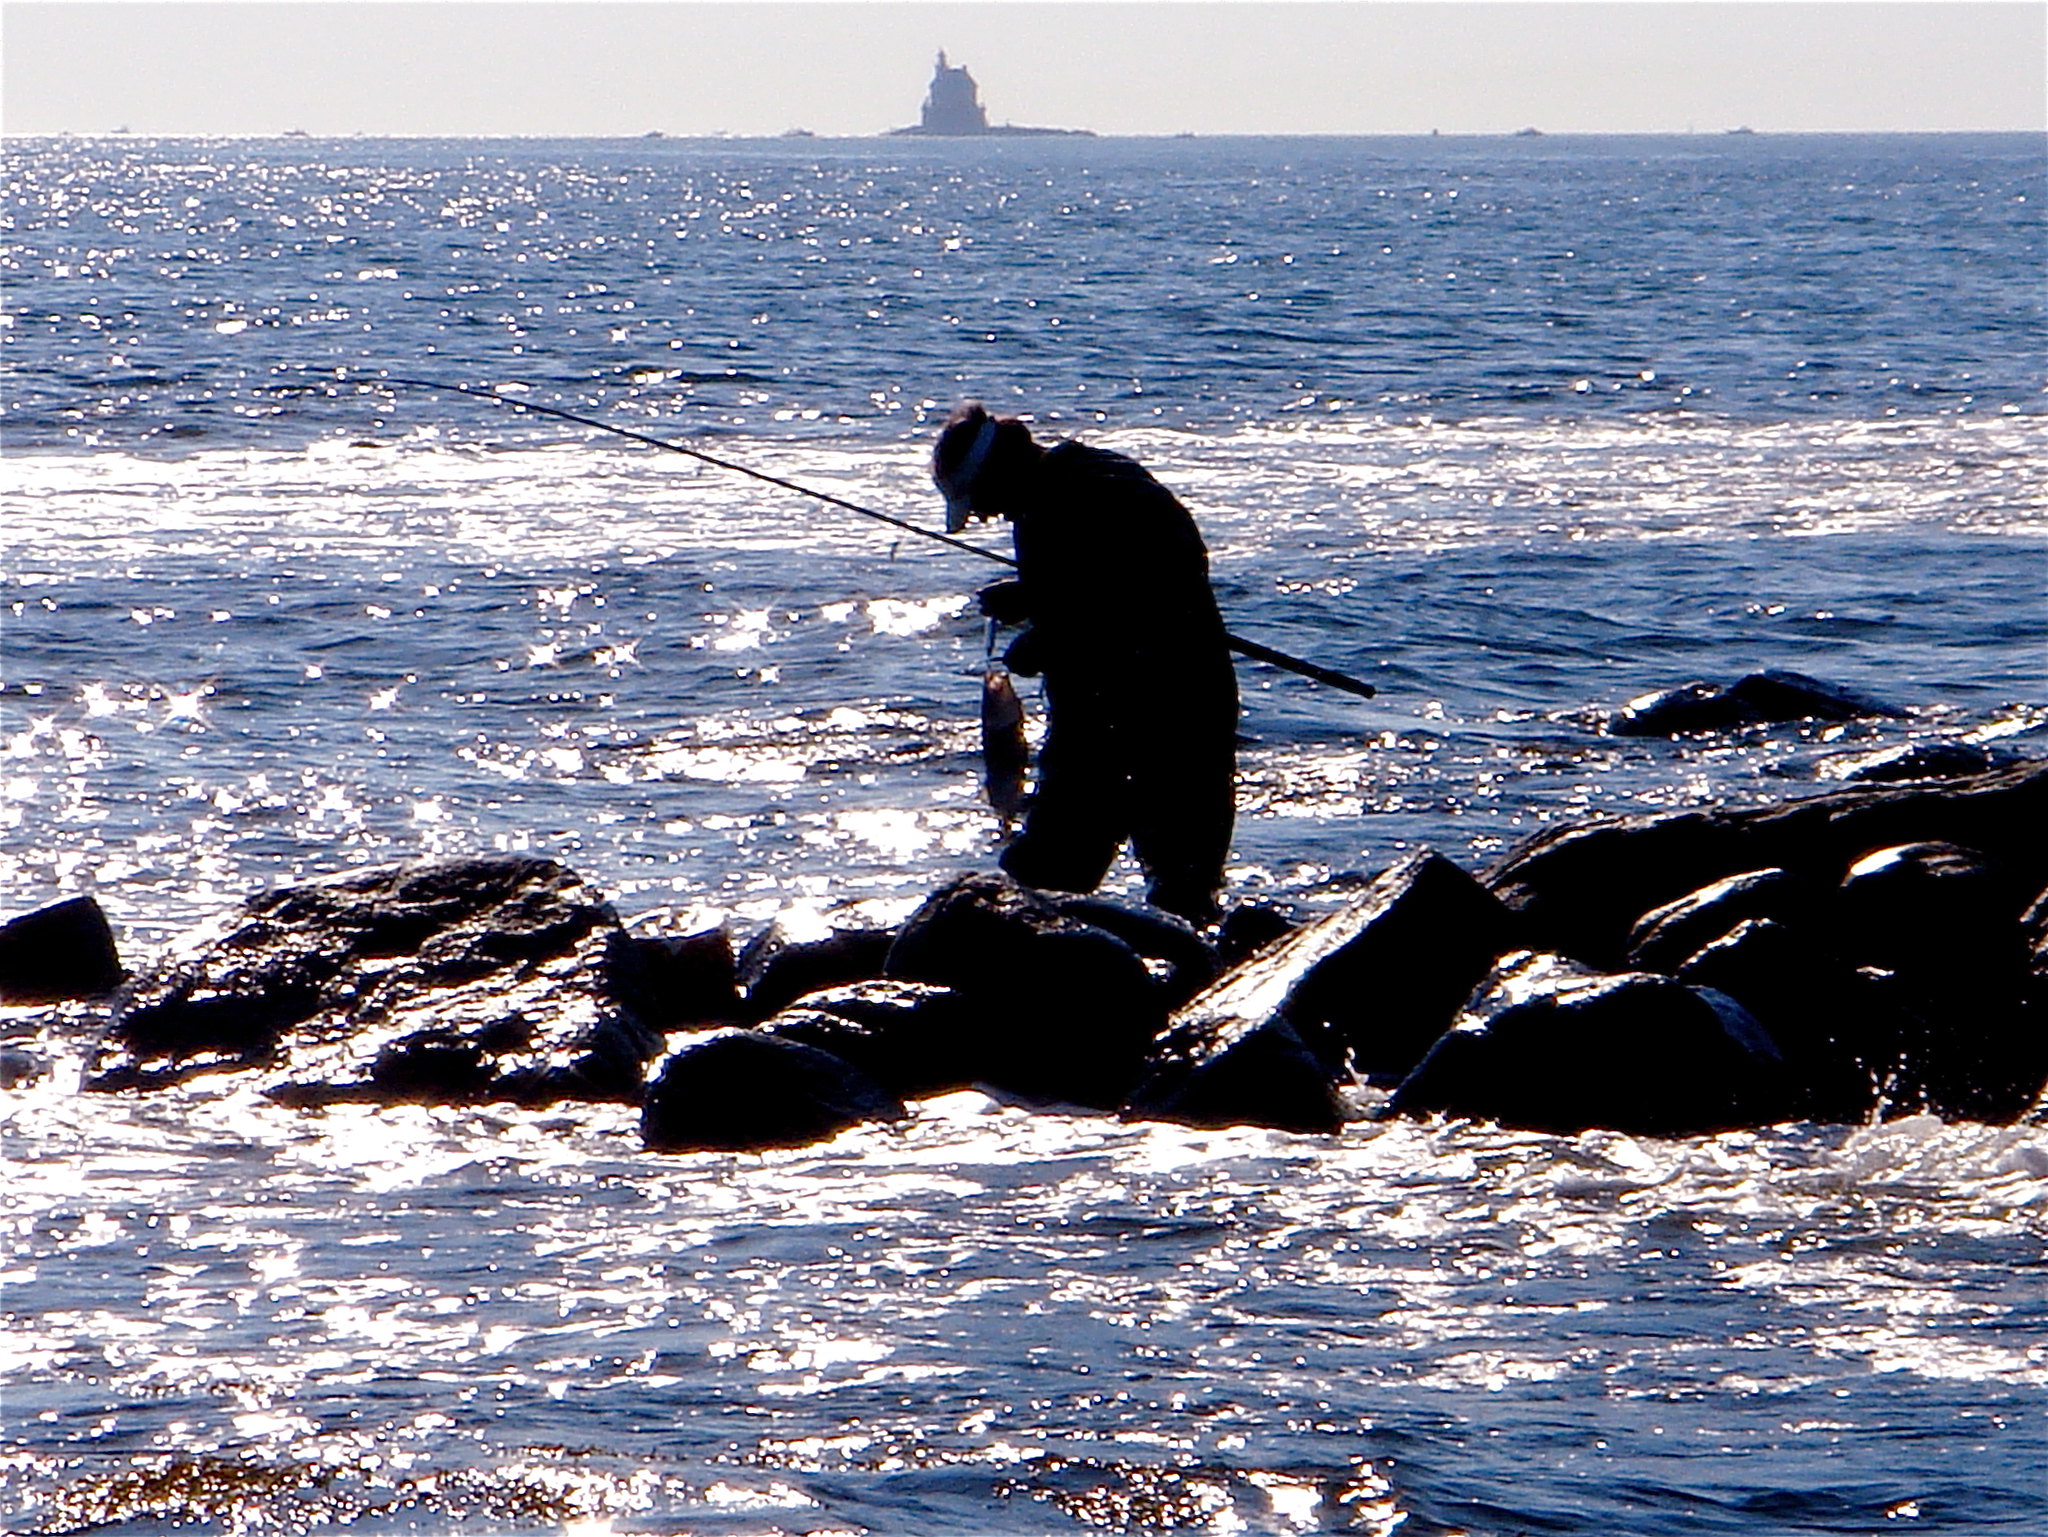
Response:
column 897, row 136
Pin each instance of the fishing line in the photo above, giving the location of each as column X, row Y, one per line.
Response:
column 1237, row 643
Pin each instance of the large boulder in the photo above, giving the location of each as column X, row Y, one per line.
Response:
column 1842, row 1032
column 1251, row 926
column 1055, row 1008
column 58, row 953
column 802, row 952
column 448, row 981
column 1666, row 937
column 1548, row 1045
column 673, row 980
column 1946, row 925
column 1365, row 990
column 1174, row 951
column 1761, row 698
column 2034, row 934
column 1227, row 1069
column 1581, row 889
column 1920, row 760
column 742, row 1090
column 912, row 1038
column 2034, row 931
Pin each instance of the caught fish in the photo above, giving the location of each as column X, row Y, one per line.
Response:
column 1004, row 755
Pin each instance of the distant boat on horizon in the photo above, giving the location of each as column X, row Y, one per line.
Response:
column 953, row 110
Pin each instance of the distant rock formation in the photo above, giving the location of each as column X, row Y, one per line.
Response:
column 953, row 110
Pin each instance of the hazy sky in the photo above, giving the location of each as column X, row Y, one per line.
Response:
column 860, row 66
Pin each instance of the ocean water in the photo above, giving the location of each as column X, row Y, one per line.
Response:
column 1516, row 429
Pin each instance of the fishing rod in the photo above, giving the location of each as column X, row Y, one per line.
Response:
column 1237, row 643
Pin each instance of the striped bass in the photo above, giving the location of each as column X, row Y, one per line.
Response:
column 1004, row 754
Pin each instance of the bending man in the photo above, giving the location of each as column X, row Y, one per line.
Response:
column 1113, row 580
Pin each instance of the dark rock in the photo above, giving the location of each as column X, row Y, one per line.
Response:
column 1581, row 889
column 461, row 980
column 20, row 1068
column 1841, row 1032
column 2034, row 934
column 673, row 980
column 742, row 1090
column 1370, row 987
column 1919, row 760
column 1665, row 938
column 1925, row 909
column 57, row 953
column 1681, row 711
column 1777, row 695
column 1947, row 924
column 1761, row 698
column 1547, row 1045
column 1366, row 989
column 1055, row 1008
column 910, row 1037
column 1222, row 1069
column 1248, row 928
column 790, row 958
column 1180, row 960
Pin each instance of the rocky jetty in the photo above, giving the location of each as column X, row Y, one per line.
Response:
column 1875, row 950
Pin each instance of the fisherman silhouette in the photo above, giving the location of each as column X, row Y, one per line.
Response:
column 1113, row 582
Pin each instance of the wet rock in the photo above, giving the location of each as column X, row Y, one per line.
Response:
column 58, row 953
column 1842, row 1032
column 1365, row 989
column 1666, row 937
column 1681, row 711
column 1923, row 909
column 1761, row 698
column 673, row 980
column 1548, row 1045
column 1180, row 960
column 1222, row 1069
column 1919, row 760
column 1055, row 1008
column 1370, row 987
column 1248, row 928
column 20, row 1068
column 449, row 981
column 801, row 953
column 2034, row 933
column 1946, row 923
column 1777, row 695
column 910, row 1037
column 1580, row 890
column 742, row 1090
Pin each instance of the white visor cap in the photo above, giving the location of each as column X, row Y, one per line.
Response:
column 958, row 483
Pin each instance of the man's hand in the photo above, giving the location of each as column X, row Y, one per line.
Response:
column 1024, row 656
column 1004, row 602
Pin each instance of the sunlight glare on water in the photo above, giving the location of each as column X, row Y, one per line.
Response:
column 1506, row 454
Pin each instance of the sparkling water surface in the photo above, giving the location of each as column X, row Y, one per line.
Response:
column 1514, row 429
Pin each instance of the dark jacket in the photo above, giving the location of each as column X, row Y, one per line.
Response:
column 1115, row 578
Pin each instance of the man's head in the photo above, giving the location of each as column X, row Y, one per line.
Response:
column 976, row 464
